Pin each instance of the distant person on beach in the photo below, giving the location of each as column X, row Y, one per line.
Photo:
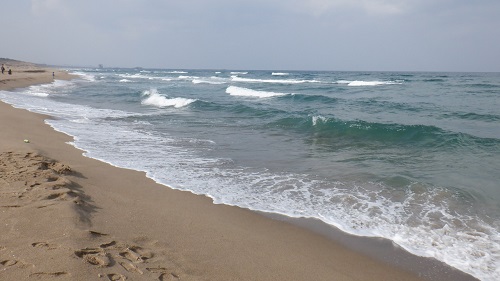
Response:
column 3, row 68
column 10, row 71
column 53, row 75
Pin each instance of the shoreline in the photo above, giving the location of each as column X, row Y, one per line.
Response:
column 25, row 74
column 381, row 249
column 177, row 234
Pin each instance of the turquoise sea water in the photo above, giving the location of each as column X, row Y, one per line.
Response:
column 411, row 157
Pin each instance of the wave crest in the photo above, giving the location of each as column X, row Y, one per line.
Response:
column 357, row 83
column 154, row 98
column 211, row 80
column 238, row 91
column 235, row 78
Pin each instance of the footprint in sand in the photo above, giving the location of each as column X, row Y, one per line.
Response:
column 63, row 194
column 11, row 206
column 101, row 260
column 97, row 233
column 8, row 262
column 130, row 267
column 86, row 251
column 44, row 245
column 106, row 245
column 164, row 276
column 116, row 277
column 168, row 277
column 136, row 254
column 44, row 206
column 94, row 256
column 156, row 269
column 49, row 274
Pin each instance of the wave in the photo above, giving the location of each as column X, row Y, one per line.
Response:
column 206, row 81
column 38, row 94
column 136, row 76
column 152, row 97
column 162, row 78
column 484, row 85
column 235, row 78
column 45, row 90
column 473, row 116
column 357, row 83
column 185, row 77
column 434, row 80
column 84, row 75
column 125, row 80
column 238, row 72
column 238, row 91
column 352, row 132
column 280, row 73
column 212, row 82
column 177, row 72
column 312, row 98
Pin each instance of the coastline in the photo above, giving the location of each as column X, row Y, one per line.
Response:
column 115, row 223
column 25, row 74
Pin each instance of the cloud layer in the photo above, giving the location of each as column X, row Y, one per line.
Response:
column 454, row 35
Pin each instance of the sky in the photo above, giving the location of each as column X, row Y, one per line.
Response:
column 342, row 35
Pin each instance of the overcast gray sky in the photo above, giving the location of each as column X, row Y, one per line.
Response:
column 433, row 35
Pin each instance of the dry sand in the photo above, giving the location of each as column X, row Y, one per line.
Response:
column 68, row 217
column 25, row 74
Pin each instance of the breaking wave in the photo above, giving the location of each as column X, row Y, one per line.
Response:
column 154, row 98
column 238, row 91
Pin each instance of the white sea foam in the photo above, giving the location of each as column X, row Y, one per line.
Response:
column 212, row 80
column 125, row 80
column 44, row 90
column 238, row 72
column 136, row 76
column 84, row 75
column 154, row 98
column 185, row 77
column 280, row 73
column 73, row 113
column 177, row 72
column 279, row 81
column 358, row 83
column 39, row 94
column 238, row 91
column 319, row 118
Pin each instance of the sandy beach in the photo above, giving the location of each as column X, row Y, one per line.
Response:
column 25, row 74
column 69, row 217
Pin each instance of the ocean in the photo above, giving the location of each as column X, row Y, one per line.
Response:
column 413, row 157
